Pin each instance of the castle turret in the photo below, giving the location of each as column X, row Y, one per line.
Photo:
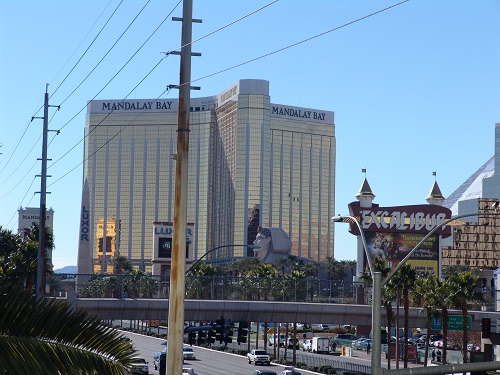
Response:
column 435, row 196
column 365, row 195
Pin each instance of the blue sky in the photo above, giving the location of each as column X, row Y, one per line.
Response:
column 414, row 88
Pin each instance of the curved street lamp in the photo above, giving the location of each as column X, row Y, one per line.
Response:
column 250, row 246
column 378, row 283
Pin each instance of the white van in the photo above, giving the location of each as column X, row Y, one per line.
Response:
column 320, row 345
column 273, row 339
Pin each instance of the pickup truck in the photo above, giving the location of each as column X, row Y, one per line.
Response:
column 259, row 356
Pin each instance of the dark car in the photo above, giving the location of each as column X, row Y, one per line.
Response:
column 264, row 372
column 157, row 359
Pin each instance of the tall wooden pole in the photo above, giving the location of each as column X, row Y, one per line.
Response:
column 177, row 279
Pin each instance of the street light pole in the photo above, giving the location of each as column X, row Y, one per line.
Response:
column 250, row 246
column 378, row 283
column 376, row 299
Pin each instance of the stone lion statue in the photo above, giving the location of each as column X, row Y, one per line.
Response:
column 274, row 244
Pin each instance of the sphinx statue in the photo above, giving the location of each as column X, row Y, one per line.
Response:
column 274, row 244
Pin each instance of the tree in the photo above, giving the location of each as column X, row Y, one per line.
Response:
column 337, row 269
column 442, row 298
column 19, row 256
column 50, row 337
column 464, row 288
column 424, row 295
column 389, row 294
column 240, row 267
column 121, row 264
column 405, row 279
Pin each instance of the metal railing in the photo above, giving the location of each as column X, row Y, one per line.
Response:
column 219, row 288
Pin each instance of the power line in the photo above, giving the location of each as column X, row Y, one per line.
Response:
column 85, row 37
column 27, row 126
column 124, row 65
column 297, row 43
column 109, row 140
column 85, row 52
column 106, row 54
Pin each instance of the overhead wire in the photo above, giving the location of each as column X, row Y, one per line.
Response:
column 218, row 72
column 58, row 131
column 85, row 37
column 20, row 204
column 27, row 126
column 298, row 43
column 122, row 127
column 249, row 61
column 124, row 65
column 106, row 54
column 85, row 52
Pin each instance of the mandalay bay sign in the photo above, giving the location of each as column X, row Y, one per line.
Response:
column 392, row 232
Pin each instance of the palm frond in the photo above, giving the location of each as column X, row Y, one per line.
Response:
column 50, row 337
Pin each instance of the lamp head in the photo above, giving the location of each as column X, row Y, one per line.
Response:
column 336, row 218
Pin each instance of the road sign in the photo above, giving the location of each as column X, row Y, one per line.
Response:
column 454, row 322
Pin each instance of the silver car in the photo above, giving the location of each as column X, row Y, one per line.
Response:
column 188, row 353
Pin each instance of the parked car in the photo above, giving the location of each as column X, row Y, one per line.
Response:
column 139, row 366
column 361, row 345
column 259, row 356
column 322, row 327
column 356, row 343
column 188, row 353
column 437, row 337
column 344, row 339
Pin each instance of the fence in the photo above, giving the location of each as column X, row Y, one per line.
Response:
column 217, row 288
column 203, row 287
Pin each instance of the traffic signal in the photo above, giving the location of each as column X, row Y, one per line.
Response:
column 192, row 338
column 242, row 332
column 486, row 327
column 201, row 337
column 228, row 334
column 211, row 336
column 219, row 329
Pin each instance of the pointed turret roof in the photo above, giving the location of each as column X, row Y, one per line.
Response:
column 365, row 190
column 435, row 196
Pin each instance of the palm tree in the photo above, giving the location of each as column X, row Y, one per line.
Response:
column 465, row 291
column 442, row 298
column 424, row 295
column 389, row 294
column 262, row 280
column 19, row 256
column 405, row 279
column 50, row 337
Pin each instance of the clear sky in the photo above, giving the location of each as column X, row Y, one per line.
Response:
column 415, row 88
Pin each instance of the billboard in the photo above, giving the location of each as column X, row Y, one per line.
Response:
column 393, row 232
column 394, row 247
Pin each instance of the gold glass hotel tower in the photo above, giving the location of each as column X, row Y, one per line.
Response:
column 249, row 161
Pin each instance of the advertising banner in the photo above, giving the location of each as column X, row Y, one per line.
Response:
column 394, row 247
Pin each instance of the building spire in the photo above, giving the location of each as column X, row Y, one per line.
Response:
column 365, row 195
column 435, row 196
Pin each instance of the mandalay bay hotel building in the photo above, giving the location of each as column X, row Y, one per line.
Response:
column 251, row 163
